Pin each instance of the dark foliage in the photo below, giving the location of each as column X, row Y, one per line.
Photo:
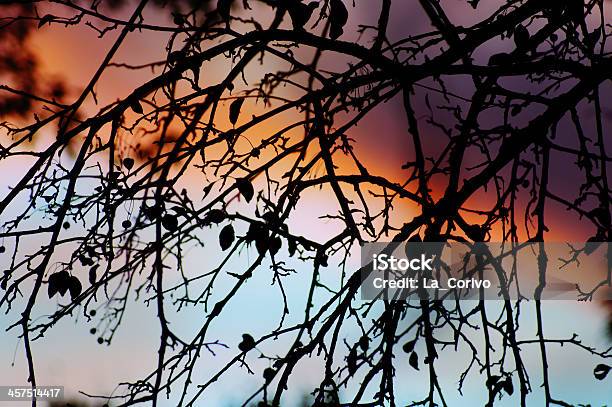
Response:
column 104, row 204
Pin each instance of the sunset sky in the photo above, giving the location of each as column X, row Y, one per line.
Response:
column 69, row 354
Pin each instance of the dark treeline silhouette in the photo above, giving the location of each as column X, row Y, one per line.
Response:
column 505, row 122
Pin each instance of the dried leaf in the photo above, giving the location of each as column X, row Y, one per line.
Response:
column 75, row 287
column 300, row 13
column 53, row 285
column 214, row 216
column 234, row 110
column 245, row 188
column 351, row 362
column 292, row 247
column 521, row 36
column 413, row 360
column 170, row 222
column 364, row 343
column 508, row 386
column 492, row 381
column 226, row 237
column 136, row 106
column 92, row 274
column 601, row 371
column 268, row 374
column 262, row 244
column 247, row 343
column 338, row 16
column 275, row 245
column 62, row 282
column 128, row 163
column 409, row 346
